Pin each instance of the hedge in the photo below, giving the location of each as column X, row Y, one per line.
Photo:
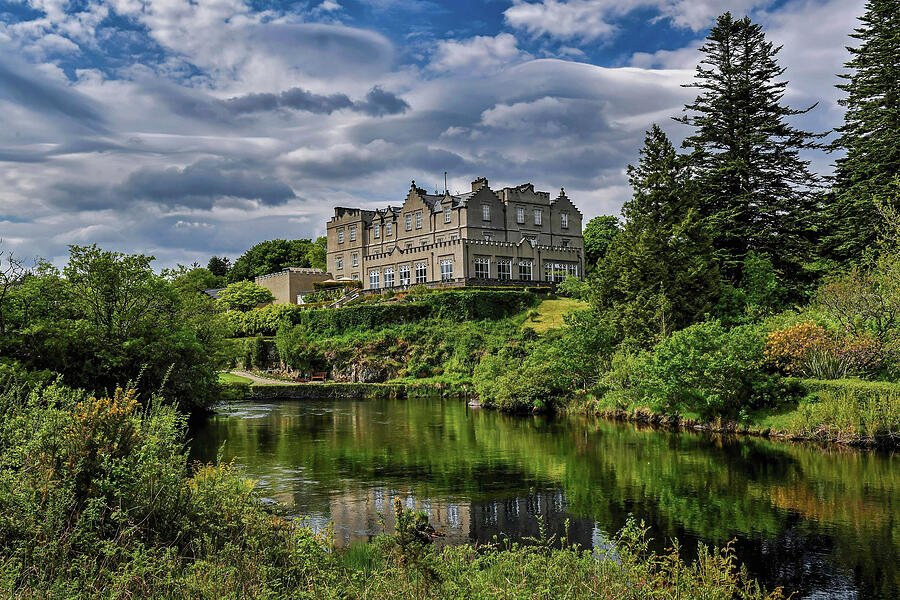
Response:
column 459, row 305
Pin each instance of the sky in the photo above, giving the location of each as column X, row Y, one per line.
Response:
column 184, row 129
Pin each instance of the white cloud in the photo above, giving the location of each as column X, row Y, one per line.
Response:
column 480, row 52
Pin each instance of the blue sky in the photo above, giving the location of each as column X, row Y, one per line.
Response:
column 186, row 129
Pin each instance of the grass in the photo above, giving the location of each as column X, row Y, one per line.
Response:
column 228, row 378
column 551, row 312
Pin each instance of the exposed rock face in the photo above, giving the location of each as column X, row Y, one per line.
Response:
column 363, row 372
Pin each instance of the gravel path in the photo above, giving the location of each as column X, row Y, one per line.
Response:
column 262, row 380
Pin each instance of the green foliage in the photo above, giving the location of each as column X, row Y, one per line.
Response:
column 599, row 233
column 243, row 296
column 193, row 280
column 218, row 266
column 870, row 135
column 263, row 321
column 710, row 370
column 273, row 256
column 754, row 188
column 317, row 252
column 573, row 287
column 659, row 275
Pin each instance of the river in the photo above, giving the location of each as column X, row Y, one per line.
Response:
column 823, row 522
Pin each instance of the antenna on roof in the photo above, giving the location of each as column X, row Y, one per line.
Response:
column 445, row 182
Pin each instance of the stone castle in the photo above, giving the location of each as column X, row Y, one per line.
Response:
column 512, row 236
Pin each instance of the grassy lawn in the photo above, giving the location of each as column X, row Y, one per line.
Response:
column 550, row 313
column 231, row 378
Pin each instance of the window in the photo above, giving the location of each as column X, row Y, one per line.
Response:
column 421, row 272
column 419, row 220
column 447, row 215
column 557, row 272
column 565, row 243
column 504, row 269
column 423, row 242
column 389, row 277
column 446, row 269
column 482, row 268
column 409, row 245
column 485, row 212
column 409, row 222
column 404, row 274
column 520, row 214
column 453, row 237
column 526, row 270
column 374, row 280
column 564, row 220
column 538, row 216
column 353, row 233
column 488, row 237
column 388, row 228
column 340, row 236
column 355, row 259
column 377, row 230
column 438, row 240
column 339, row 262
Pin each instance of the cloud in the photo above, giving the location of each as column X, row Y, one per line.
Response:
column 481, row 52
column 377, row 102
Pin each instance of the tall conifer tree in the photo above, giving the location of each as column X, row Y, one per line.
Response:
column 870, row 136
column 755, row 189
column 659, row 274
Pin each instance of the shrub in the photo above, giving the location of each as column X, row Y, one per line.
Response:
column 786, row 349
column 526, row 389
column 243, row 296
column 709, row 369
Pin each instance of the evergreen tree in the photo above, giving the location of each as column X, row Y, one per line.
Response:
column 870, row 136
column 756, row 191
column 659, row 274
column 218, row 266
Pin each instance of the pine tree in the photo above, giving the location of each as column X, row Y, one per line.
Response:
column 870, row 135
column 659, row 274
column 755, row 189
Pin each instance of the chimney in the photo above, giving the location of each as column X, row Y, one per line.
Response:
column 479, row 183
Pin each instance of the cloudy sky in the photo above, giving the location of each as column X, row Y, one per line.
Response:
column 186, row 128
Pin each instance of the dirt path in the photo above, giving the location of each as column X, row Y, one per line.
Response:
column 262, row 380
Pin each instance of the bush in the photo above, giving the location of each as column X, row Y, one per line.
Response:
column 711, row 370
column 526, row 389
column 786, row 349
column 466, row 305
column 243, row 296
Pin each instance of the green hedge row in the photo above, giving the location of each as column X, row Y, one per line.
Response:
column 459, row 305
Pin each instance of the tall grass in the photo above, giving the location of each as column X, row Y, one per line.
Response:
column 844, row 416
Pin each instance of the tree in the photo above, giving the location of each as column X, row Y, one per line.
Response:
column 599, row 233
column 870, row 135
column 754, row 188
column 194, row 280
column 218, row 266
column 270, row 256
column 317, row 253
column 12, row 273
column 243, row 296
column 659, row 274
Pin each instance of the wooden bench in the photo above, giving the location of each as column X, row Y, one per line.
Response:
column 319, row 376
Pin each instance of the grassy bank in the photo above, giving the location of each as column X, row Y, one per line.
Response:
column 99, row 501
column 848, row 411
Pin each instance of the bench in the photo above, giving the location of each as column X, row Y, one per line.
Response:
column 319, row 376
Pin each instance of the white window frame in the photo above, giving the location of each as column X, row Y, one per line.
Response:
column 339, row 263
column 388, row 229
column 526, row 266
column 377, row 228
column 340, row 236
column 355, row 259
column 408, row 221
column 352, row 233
column 538, row 216
column 485, row 212
column 447, row 215
column 520, row 215
column 404, row 274
column 488, row 237
column 389, row 277
column 564, row 220
column 446, row 269
column 421, row 272
column 482, row 268
column 374, row 279
column 504, row 270
column 419, row 220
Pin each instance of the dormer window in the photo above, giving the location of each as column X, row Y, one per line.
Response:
column 447, row 215
column 485, row 212
column 564, row 220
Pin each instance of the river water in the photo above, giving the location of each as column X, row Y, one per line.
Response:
column 822, row 522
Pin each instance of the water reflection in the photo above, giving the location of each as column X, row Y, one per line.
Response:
column 822, row 522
